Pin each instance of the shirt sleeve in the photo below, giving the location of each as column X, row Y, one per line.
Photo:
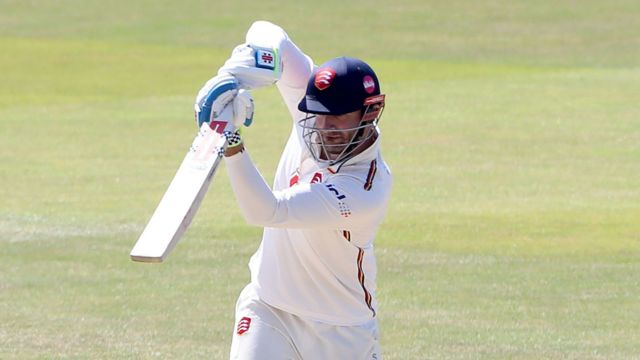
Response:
column 296, row 70
column 335, row 205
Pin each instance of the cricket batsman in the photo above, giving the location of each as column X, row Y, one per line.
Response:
column 312, row 293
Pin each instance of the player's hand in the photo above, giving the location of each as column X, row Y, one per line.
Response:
column 242, row 106
column 214, row 96
column 243, row 109
column 253, row 66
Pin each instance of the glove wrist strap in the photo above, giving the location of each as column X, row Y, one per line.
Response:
column 234, row 138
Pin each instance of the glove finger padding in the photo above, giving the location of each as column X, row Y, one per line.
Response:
column 243, row 109
column 221, row 102
column 214, row 96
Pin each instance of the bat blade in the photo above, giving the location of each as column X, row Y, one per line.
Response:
column 183, row 197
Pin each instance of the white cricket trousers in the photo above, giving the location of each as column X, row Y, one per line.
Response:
column 263, row 332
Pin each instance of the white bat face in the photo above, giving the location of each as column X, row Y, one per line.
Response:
column 185, row 193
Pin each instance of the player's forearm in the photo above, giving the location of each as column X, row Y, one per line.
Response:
column 303, row 206
column 254, row 196
column 296, row 66
column 296, row 69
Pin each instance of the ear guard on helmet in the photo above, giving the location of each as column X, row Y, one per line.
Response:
column 373, row 107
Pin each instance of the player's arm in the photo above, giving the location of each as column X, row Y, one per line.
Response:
column 269, row 56
column 302, row 206
column 257, row 62
column 296, row 70
column 343, row 204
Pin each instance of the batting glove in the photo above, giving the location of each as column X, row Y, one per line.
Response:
column 253, row 66
column 217, row 93
column 242, row 115
column 243, row 109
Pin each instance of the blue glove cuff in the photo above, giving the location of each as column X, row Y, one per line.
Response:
column 204, row 116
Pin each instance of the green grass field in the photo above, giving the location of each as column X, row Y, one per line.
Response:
column 512, row 129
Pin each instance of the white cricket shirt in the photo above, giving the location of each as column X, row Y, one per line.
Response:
column 316, row 258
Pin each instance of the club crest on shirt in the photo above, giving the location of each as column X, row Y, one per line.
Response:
column 243, row 325
column 295, row 178
column 317, row 177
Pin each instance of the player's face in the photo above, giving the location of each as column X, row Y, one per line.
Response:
column 338, row 130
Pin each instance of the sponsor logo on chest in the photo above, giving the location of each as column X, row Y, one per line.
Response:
column 343, row 207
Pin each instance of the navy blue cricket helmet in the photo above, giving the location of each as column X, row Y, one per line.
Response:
column 339, row 86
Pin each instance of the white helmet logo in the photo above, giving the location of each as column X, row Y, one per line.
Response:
column 369, row 84
column 324, row 78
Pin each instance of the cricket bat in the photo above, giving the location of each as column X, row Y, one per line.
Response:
column 185, row 193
